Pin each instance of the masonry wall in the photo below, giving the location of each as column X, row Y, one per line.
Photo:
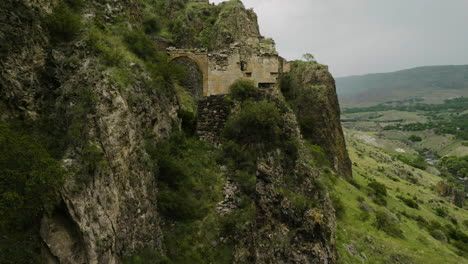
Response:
column 213, row 113
column 224, row 69
column 221, row 69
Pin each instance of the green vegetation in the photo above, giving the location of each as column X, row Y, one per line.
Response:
column 29, row 184
column 318, row 154
column 456, row 166
column 189, row 184
column 309, row 58
column 379, row 192
column 148, row 256
column 446, row 118
column 417, row 162
column 64, row 23
column 409, row 202
column 151, row 25
column 256, row 125
column 242, row 90
column 385, row 222
column 415, row 138
column 188, row 24
column 407, row 224
column 305, row 111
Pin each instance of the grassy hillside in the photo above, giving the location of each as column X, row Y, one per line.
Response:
column 433, row 83
column 392, row 213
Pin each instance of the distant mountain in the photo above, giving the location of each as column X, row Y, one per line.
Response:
column 433, row 83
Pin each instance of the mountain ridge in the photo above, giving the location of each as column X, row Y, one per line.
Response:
column 424, row 81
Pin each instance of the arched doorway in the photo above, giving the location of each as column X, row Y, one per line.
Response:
column 194, row 80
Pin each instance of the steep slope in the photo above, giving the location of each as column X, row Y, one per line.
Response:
column 404, row 218
column 434, row 83
column 90, row 84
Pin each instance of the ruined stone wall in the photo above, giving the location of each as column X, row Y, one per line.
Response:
column 221, row 69
column 213, row 112
column 224, row 69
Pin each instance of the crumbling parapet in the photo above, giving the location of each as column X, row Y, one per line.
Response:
column 220, row 69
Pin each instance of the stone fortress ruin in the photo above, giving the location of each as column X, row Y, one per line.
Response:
column 212, row 73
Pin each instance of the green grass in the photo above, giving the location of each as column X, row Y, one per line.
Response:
column 376, row 246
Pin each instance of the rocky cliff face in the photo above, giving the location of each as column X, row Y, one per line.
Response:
column 319, row 94
column 103, row 98
column 110, row 209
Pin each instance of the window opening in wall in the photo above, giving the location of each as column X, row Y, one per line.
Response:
column 243, row 65
column 265, row 85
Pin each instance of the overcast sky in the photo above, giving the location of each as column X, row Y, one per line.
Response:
column 365, row 36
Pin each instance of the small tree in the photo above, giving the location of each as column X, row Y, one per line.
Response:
column 415, row 138
column 309, row 58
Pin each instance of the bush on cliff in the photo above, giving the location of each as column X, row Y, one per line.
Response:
column 189, row 183
column 242, row 90
column 63, row 24
column 29, row 184
column 257, row 124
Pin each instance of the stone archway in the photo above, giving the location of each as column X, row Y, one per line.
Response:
column 197, row 67
column 193, row 81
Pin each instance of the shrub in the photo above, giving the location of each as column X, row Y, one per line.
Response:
column 339, row 206
column 354, row 183
column 307, row 125
column 364, row 216
column 465, row 223
column 417, row 162
column 291, row 152
column 409, row 202
column 238, row 221
column 189, row 121
column 379, row 191
column 439, row 235
column 93, row 157
column 110, row 53
column 421, row 221
column 440, row 211
column 257, row 124
column 141, row 45
column 189, row 181
column 236, row 156
column 242, row 90
column 76, row 5
column 384, row 222
column 286, row 86
column 415, row 138
column 151, row 25
column 299, row 200
column 380, row 200
column 63, row 24
column 29, row 184
column 318, row 155
column 246, row 180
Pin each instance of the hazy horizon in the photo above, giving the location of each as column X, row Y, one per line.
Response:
column 367, row 36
